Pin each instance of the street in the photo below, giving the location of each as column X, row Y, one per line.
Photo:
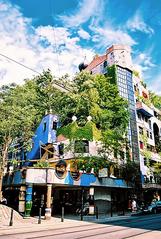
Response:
column 148, row 227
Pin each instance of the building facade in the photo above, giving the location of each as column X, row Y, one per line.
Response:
column 48, row 179
column 144, row 129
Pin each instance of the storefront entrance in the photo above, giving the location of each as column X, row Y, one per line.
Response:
column 69, row 198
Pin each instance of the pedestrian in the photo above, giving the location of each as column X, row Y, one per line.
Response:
column 134, row 208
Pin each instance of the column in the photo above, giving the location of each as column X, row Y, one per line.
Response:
column 48, row 202
column 28, row 200
column 21, row 205
column 91, row 201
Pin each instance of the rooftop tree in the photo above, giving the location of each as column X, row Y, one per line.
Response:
column 94, row 95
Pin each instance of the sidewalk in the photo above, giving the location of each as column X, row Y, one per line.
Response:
column 31, row 224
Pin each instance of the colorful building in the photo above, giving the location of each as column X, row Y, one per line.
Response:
column 47, row 178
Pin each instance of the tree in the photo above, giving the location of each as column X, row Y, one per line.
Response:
column 94, row 95
column 16, row 118
column 22, row 108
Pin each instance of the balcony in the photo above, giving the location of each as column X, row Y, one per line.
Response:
column 144, row 109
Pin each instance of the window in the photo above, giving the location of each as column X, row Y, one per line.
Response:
column 141, row 145
column 140, row 130
column 151, row 137
column 147, row 132
column 44, row 127
column 105, row 64
column 54, row 125
column 61, row 149
column 81, row 146
column 149, row 124
column 146, row 119
column 139, row 116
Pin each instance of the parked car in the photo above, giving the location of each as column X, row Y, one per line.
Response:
column 154, row 207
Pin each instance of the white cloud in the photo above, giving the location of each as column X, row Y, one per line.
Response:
column 108, row 35
column 137, row 23
column 83, row 34
column 93, row 11
column 143, row 62
column 86, row 10
column 38, row 48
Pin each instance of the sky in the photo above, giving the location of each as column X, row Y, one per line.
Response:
column 60, row 34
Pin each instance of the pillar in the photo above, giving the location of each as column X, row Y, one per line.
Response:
column 21, row 204
column 28, row 200
column 48, row 202
column 91, row 201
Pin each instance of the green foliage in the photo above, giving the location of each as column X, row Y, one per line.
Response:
column 94, row 95
column 97, row 97
column 136, row 73
column 42, row 164
column 155, row 99
column 157, row 168
column 23, row 106
column 17, row 116
column 146, row 101
column 131, row 171
column 111, row 72
column 73, row 132
column 92, row 162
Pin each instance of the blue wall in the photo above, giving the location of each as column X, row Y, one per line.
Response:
column 42, row 136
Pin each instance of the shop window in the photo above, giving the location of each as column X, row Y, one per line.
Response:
column 44, row 127
column 81, row 146
column 54, row 127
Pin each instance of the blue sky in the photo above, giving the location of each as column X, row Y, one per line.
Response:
column 59, row 34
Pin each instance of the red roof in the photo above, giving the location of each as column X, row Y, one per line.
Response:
column 97, row 60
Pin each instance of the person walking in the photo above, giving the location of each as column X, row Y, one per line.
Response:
column 134, row 208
